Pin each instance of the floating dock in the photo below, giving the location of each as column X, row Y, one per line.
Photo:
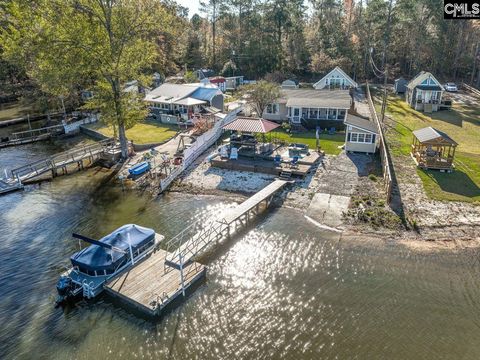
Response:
column 152, row 288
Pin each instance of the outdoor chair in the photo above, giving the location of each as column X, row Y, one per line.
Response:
column 294, row 162
column 277, row 160
column 234, row 154
column 223, row 152
column 332, row 131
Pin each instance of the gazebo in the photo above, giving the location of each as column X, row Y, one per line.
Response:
column 246, row 128
column 433, row 149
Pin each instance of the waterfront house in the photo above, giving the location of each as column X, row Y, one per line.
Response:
column 171, row 103
column 433, row 149
column 335, row 79
column 310, row 108
column 233, row 82
column 361, row 135
column 424, row 92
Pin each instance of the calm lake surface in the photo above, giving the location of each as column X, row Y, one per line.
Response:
column 284, row 290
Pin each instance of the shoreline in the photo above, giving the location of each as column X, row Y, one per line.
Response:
column 200, row 179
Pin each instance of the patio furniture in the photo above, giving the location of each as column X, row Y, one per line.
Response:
column 223, row 152
column 332, row 131
column 277, row 160
column 294, row 162
column 234, row 154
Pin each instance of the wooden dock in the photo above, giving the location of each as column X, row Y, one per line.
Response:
column 161, row 280
column 9, row 186
column 32, row 135
column 153, row 288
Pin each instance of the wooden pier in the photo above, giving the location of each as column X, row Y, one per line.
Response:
column 56, row 165
column 32, row 135
column 163, row 279
column 188, row 244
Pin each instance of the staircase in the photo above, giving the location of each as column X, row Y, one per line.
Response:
column 286, row 174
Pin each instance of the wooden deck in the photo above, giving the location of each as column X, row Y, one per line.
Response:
column 261, row 166
column 151, row 287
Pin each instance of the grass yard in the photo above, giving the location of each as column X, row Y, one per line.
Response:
column 328, row 143
column 13, row 110
column 147, row 132
column 462, row 124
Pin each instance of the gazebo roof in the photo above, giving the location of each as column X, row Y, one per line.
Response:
column 431, row 135
column 254, row 125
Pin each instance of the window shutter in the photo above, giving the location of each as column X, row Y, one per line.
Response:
column 373, row 138
column 348, row 137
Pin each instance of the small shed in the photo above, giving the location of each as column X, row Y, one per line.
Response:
column 361, row 135
column 290, row 84
column 433, row 149
column 400, row 85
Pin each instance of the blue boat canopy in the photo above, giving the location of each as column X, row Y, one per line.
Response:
column 97, row 258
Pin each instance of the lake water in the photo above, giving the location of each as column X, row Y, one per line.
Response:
column 284, row 290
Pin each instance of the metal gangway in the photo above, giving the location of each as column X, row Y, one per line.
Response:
column 201, row 235
column 56, row 164
column 32, row 135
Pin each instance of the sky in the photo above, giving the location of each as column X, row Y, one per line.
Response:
column 193, row 5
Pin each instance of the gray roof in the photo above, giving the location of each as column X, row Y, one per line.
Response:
column 318, row 98
column 361, row 123
column 430, row 134
column 171, row 91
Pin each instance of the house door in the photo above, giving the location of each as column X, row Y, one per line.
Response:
column 296, row 115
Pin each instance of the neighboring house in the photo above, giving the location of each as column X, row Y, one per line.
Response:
column 220, row 82
column 335, row 79
column 361, row 135
column 400, row 85
column 173, row 102
column 290, row 84
column 310, row 108
column 233, row 82
column 424, row 92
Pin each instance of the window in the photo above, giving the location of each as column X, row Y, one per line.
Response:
column 361, row 138
column 273, row 109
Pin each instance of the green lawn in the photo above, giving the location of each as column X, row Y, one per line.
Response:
column 14, row 110
column 462, row 123
column 328, row 143
column 146, row 132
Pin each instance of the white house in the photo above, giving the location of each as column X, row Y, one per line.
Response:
column 174, row 102
column 335, row 79
column 424, row 92
column 361, row 135
column 310, row 108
